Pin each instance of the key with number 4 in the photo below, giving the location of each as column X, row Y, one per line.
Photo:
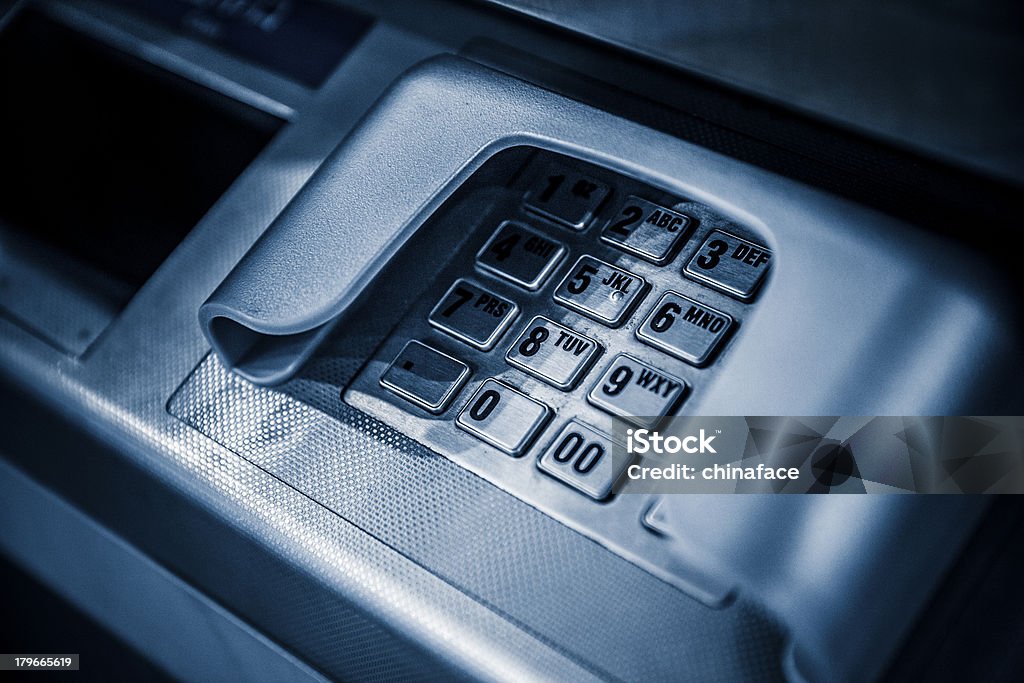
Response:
column 520, row 255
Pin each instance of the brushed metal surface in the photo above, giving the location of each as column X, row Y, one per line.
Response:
column 425, row 376
column 600, row 291
column 637, row 391
column 520, row 254
column 731, row 264
column 473, row 314
column 685, row 328
column 648, row 230
column 581, row 457
column 503, row 417
column 553, row 353
column 340, row 497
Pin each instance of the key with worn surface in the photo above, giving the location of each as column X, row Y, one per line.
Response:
column 566, row 197
column 506, row 418
column 600, row 291
column 648, row 230
column 731, row 264
column 425, row 376
column 636, row 391
column 684, row 328
column 473, row 314
column 520, row 254
column 553, row 352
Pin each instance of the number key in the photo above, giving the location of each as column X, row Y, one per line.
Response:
column 684, row 328
column 730, row 264
column 503, row 417
column 636, row 391
column 600, row 291
column 581, row 457
column 647, row 230
column 566, row 197
column 520, row 254
column 473, row 314
column 553, row 352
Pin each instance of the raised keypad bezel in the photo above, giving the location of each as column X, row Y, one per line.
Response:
column 507, row 204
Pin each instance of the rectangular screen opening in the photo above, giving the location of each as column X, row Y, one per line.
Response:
column 109, row 162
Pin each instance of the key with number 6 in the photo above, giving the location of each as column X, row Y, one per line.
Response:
column 685, row 328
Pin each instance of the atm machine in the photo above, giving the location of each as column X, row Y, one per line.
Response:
column 316, row 319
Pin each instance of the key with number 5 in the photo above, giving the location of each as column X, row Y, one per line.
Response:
column 600, row 291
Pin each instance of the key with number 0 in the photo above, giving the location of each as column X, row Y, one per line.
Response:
column 503, row 417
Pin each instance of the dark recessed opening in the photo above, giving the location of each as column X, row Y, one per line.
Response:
column 108, row 160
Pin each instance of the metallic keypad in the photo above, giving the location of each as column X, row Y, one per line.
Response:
column 472, row 314
column 566, row 197
column 503, row 417
column 425, row 376
column 534, row 325
column 684, row 328
column 520, row 254
column 574, row 310
column 581, row 457
column 553, row 352
column 637, row 391
column 600, row 291
column 647, row 230
column 731, row 264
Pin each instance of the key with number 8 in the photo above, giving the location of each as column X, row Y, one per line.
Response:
column 553, row 352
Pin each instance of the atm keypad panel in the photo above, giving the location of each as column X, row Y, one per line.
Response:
column 583, row 295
